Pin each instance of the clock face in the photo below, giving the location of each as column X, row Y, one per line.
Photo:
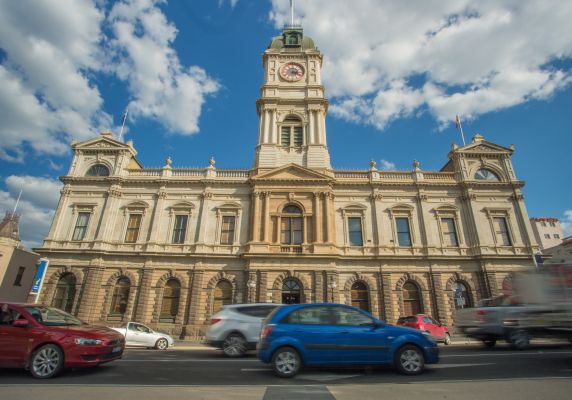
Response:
column 291, row 72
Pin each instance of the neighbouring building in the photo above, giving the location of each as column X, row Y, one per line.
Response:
column 170, row 246
column 547, row 231
column 17, row 265
column 561, row 254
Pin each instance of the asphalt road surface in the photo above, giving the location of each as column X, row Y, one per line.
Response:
column 465, row 372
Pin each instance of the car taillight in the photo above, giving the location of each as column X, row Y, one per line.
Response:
column 266, row 331
column 215, row 320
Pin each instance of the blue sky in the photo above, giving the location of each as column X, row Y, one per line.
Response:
column 396, row 73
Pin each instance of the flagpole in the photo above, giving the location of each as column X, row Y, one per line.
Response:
column 291, row 12
column 17, row 201
column 123, row 125
column 460, row 126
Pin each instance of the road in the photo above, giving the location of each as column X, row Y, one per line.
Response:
column 467, row 372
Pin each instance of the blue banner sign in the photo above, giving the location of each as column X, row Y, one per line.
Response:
column 39, row 278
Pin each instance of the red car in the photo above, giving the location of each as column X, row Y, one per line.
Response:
column 45, row 340
column 424, row 322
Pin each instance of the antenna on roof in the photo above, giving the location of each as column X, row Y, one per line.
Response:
column 291, row 12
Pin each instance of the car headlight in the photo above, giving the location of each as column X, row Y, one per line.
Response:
column 88, row 341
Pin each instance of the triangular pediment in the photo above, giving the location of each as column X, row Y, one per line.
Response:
column 102, row 142
column 483, row 147
column 292, row 172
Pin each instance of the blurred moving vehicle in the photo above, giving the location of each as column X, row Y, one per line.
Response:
column 236, row 328
column 538, row 303
column 140, row 335
column 424, row 322
column 339, row 335
column 45, row 340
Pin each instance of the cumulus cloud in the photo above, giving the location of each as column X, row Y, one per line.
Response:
column 36, row 207
column 566, row 223
column 54, row 55
column 162, row 88
column 388, row 60
column 386, row 165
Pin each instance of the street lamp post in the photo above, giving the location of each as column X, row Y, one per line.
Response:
column 332, row 285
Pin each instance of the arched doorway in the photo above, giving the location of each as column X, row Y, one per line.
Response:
column 222, row 295
column 64, row 294
column 291, row 291
column 120, row 297
column 360, row 296
column 170, row 304
column 411, row 299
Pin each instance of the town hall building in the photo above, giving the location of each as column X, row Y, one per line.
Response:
column 170, row 246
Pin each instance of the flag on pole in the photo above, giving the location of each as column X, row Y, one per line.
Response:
column 460, row 127
column 458, row 122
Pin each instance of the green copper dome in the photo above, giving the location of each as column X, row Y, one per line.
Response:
column 292, row 37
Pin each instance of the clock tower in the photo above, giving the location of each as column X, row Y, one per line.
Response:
column 292, row 107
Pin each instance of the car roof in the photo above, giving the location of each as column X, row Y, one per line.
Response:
column 251, row 305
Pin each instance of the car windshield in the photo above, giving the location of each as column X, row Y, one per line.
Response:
column 52, row 316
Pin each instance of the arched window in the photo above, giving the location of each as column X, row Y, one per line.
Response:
column 120, row 296
column 290, row 291
column 222, row 295
column 170, row 304
column 98, row 170
column 291, row 133
column 462, row 297
column 411, row 299
column 291, row 225
column 486, row 175
column 360, row 296
column 65, row 293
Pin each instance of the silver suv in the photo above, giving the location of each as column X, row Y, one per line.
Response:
column 236, row 328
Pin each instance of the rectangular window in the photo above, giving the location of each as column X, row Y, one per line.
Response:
column 296, row 230
column 133, row 228
column 80, row 226
column 180, row 229
column 501, row 231
column 552, row 224
column 227, row 230
column 355, row 232
column 285, row 137
column 403, row 231
column 291, row 230
column 556, row 236
column 543, row 224
column 449, row 232
column 18, row 280
column 546, row 236
column 298, row 136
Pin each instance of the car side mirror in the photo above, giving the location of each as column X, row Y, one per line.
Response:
column 21, row 323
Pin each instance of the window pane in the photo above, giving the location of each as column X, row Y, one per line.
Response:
column 180, row 230
column 346, row 316
column 403, row 235
column 296, row 224
column 170, row 305
column 80, row 226
column 355, row 233
column 133, row 228
column 501, row 231
column 310, row 316
column 285, row 229
column 298, row 136
column 227, row 233
column 285, row 137
column 120, row 296
column 449, row 232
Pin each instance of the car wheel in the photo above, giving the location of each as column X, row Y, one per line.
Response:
column 286, row 362
column 46, row 362
column 162, row 344
column 520, row 339
column 234, row 345
column 447, row 340
column 409, row 360
column 489, row 342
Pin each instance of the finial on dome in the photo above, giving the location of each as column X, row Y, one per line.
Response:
column 416, row 165
column 372, row 165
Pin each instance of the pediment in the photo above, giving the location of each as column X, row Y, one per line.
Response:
column 484, row 147
column 292, row 172
column 102, row 142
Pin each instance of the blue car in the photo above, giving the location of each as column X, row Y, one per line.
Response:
column 339, row 335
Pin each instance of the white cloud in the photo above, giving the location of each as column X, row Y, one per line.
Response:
column 566, row 223
column 36, row 207
column 232, row 3
column 54, row 54
column 386, row 165
column 388, row 60
column 162, row 88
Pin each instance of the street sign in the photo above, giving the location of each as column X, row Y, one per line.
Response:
column 460, row 301
column 458, row 292
column 39, row 278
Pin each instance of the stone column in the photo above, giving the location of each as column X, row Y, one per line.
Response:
column 62, row 206
column 109, row 214
column 266, row 217
column 255, row 217
column 144, row 296
column 157, row 214
column 91, row 288
column 317, row 218
column 203, row 217
column 388, row 297
column 328, row 199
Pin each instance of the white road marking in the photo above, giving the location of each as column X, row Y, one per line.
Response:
column 515, row 353
column 255, row 369
column 440, row 366
column 324, row 377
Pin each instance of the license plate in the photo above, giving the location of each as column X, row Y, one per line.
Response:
column 116, row 349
